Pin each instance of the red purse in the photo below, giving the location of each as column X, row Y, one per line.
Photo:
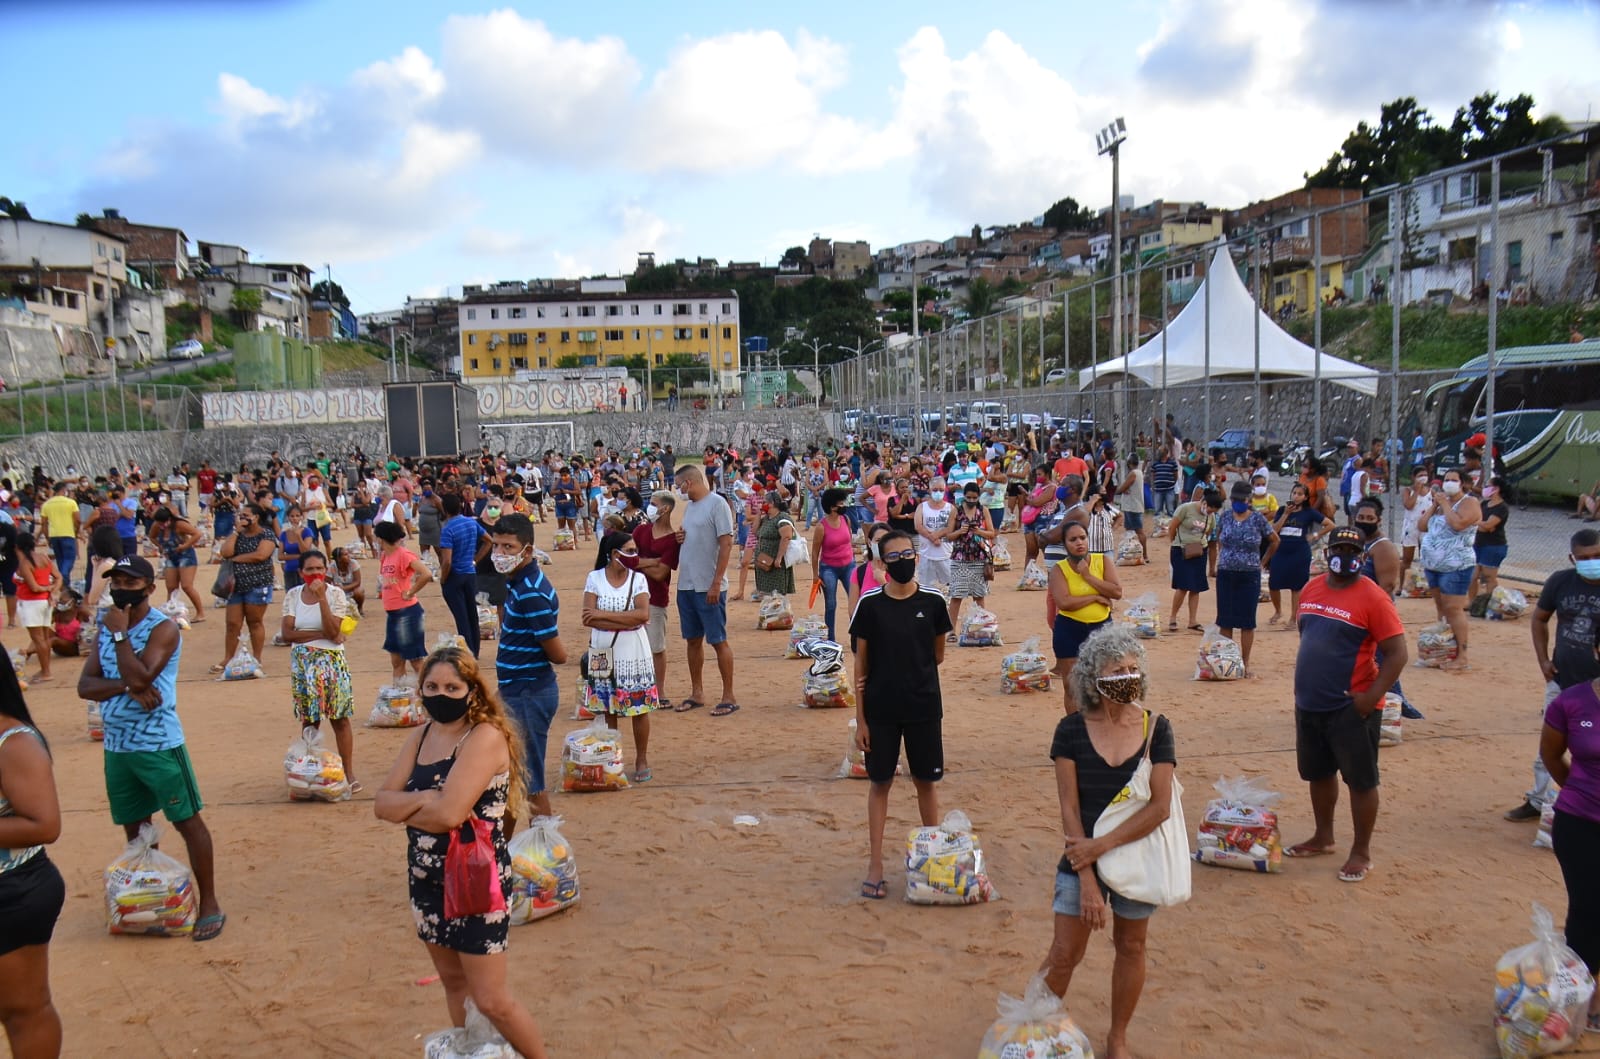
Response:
column 472, row 871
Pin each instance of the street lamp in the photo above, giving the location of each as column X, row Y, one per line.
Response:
column 1109, row 141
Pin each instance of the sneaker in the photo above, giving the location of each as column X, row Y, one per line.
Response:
column 1410, row 712
column 1523, row 813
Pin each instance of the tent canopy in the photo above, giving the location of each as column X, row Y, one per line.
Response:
column 1233, row 318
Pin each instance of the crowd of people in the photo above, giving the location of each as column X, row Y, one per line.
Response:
column 906, row 537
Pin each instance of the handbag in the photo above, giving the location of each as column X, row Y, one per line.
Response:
column 765, row 562
column 596, row 661
column 222, row 587
column 798, row 553
column 1153, row 869
column 1194, row 549
column 472, row 871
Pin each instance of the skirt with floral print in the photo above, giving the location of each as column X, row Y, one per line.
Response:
column 473, row 935
column 320, row 683
column 629, row 691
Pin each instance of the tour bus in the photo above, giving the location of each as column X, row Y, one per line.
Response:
column 1546, row 418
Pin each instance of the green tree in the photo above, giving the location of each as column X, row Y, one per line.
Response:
column 657, row 280
column 1067, row 216
column 84, row 220
column 15, row 208
column 246, row 303
column 794, row 256
column 320, row 293
column 981, row 297
column 1010, row 287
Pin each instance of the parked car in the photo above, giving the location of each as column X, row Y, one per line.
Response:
column 1026, row 420
column 1055, row 375
column 1237, row 444
column 852, row 419
column 189, row 349
column 900, row 428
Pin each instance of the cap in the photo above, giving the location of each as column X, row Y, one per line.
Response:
column 135, row 566
column 1347, row 535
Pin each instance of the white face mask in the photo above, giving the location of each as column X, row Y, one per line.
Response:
column 1451, row 488
column 1260, row 490
column 503, row 563
column 651, row 512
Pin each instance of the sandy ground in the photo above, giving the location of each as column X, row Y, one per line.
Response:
column 695, row 936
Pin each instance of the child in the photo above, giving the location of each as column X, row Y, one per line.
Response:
column 67, row 624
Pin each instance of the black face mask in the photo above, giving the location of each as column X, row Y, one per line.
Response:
column 903, row 571
column 1367, row 529
column 123, row 598
column 1344, row 566
column 445, row 708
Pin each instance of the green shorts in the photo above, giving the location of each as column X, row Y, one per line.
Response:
column 142, row 781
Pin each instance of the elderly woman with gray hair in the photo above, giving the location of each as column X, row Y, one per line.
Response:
column 1096, row 750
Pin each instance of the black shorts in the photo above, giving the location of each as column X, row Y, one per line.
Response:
column 1014, row 489
column 30, row 903
column 1338, row 741
column 536, row 498
column 924, row 750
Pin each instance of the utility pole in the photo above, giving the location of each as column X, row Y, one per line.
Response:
column 1109, row 141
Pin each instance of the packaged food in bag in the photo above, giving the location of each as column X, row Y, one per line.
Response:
column 147, row 892
column 544, row 871
column 176, row 609
column 1220, row 658
column 591, row 759
column 1436, row 645
column 980, row 628
column 397, row 707
column 1319, row 564
column 478, row 1039
column 1506, row 604
column 450, row 639
column 775, row 613
column 1034, row 578
column 566, row 541
column 1000, row 555
column 97, row 729
column 1025, row 669
column 488, row 622
column 1034, row 1026
column 1162, row 522
column 855, row 760
column 1393, row 720
column 809, row 627
column 1541, row 994
column 1130, row 552
column 1547, row 819
column 1414, row 584
column 944, row 864
column 314, row 772
column 828, row 691
column 1144, row 614
column 1239, row 828
column 243, row 665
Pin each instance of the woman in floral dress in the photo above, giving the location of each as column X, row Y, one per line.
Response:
column 616, row 610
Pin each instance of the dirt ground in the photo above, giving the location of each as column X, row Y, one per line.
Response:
column 695, row 936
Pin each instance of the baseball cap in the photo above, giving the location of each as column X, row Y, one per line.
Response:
column 134, row 566
column 1347, row 535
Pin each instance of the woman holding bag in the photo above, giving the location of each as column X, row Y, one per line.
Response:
column 463, row 767
column 1097, row 751
column 620, row 674
column 772, row 544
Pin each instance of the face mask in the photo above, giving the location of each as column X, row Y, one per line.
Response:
column 1344, row 565
column 1260, row 490
column 1123, row 687
column 1422, row 480
column 445, row 708
column 1241, row 506
column 1063, row 493
column 491, row 512
column 1489, row 491
column 123, row 598
column 629, row 560
column 1588, row 569
column 1367, row 528
column 505, row 563
column 902, row 570
column 1451, row 488
column 651, row 512
column 312, row 579
column 873, row 549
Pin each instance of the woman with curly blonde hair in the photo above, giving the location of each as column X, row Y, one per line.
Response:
column 466, row 763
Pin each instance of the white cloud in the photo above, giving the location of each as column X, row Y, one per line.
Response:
column 408, row 78
column 613, row 241
column 240, row 103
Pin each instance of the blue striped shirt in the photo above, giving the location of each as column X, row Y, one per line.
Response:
column 461, row 535
column 129, row 727
column 531, row 613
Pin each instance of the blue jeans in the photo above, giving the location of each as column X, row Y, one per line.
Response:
column 833, row 577
column 65, row 549
column 460, row 591
column 1544, row 788
column 813, row 509
column 533, row 703
column 1166, row 501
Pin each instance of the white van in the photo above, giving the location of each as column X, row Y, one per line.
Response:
column 991, row 414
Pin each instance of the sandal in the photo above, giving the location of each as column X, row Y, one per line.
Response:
column 219, row 667
column 686, row 705
column 723, row 709
column 1172, row 626
column 356, row 787
column 208, row 927
column 875, row 891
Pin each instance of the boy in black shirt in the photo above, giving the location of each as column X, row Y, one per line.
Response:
column 904, row 625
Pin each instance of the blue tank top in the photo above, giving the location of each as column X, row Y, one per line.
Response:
column 129, row 727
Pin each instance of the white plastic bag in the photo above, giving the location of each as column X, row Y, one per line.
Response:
column 1541, row 994
column 1414, row 585
column 827, row 691
column 1239, row 828
column 1000, row 554
column 147, row 892
column 1506, row 604
column 980, row 628
column 798, row 553
column 944, row 864
column 544, row 871
column 1034, row 1026
column 397, row 706
column 243, row 665
column 566, row 541
column 1130, row 552
column 591, row 759
column 97, row 728
column 1547, row 820
column 1220, row 658
column 1025, row 669
column 1144, row 614
column 176, row 609
column 1034, row 578
column 312, row 771
column 1436, row 645
column 488, row 622
column 775, row 612
column 478, row 1039
column 810, row 627
column 1393, row 720
column 854, row 765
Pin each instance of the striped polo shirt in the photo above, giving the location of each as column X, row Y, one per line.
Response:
column 531, row 613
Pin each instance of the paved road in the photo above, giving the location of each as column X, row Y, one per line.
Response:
column 153, row 372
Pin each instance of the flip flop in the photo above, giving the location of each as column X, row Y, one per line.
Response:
column 642, row 776
column 1197, row 627
column 723, row 709
column 1355, row 876
column 208, row 927
column 1306, row 849
column 875, row 891
column 219, row 667
column 356, row 787
column 664, row 703
column 686, row 705
column 1172, row 626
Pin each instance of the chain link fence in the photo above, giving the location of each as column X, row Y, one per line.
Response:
column 98, row 407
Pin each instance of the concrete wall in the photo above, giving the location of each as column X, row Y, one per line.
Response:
column 29, row 350
column 534, row 398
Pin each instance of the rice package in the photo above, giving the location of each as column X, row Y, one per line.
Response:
column 591, row 759
column 944, row 864
column 1506, row 604
column 97, row 728
column 775, row 613
column 1541, row 994
column 397, row 707
column 488, row 623
column 809, row 627
column 1144, row 614
column 980, row 628
column 855, row 760
column 1239, row 828
column 544, row 871
column 1220, row 658
column 1414, row 584
column 1130, row 552
column 147, row 892
column 1034, row 578
column 1393, row 720
column 1547, row 820
column 312, row 771
column 1034, row 1026
column 828, row 691
column 1000, row 555
column 1436, row 645
column 243, row 665
column 478, row 1039
column 1025, row 669
column 566, row 541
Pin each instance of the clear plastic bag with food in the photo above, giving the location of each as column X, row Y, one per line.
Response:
column 1220, row 658
column 1507, row 604
column 1414, row 585
column 1547, row 820
column 243, row 665
column 176, row 609
column 1436, row 645
column 478, row 1039
column 980, row 628
column 1541, row 994
column 810, row 627
column 1025, row 669
column 1034, row 1026
column 147, row 892
column 591, row 759
column 1034, row 578
column 566, row 541
column 1144, row 614
column 828, row 691
column 854, row 765
column 488, row 622
column 313, row 771
column 1000, row 554
column 397, row 707
column 775, row 613
column 1239, row 828
column 1130, row 552
column 1393, row 721
column 544, row 871
column 944, row 864
column 97, row 728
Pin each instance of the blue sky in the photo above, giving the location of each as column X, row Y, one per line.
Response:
column 417, row 146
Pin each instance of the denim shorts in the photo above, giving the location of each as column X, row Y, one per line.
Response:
column 252, row 597
column 1450, row 582
column 701, row 619
column 1133, row 521
column 1069, row 890
column 534, row 703
column 405, row 634
column 1491, row 555
column 182, row 560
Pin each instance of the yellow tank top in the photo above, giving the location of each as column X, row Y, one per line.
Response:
column 1077, row 586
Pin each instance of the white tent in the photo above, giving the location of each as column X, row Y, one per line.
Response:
column 1233, row 316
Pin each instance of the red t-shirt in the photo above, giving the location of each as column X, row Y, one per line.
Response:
column 1340, row 629
column 663, row 548
column 208, row 481
column 1072, row 465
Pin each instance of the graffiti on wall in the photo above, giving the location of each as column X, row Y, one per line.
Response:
column 366, row 404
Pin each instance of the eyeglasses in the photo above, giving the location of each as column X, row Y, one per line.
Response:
column 909, row 553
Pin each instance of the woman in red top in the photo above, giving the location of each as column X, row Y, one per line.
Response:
column 1315, row 478
column 36, row 578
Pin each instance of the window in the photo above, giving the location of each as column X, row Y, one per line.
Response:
column 660, row 334
column 473, row 363
column 680, row 308
column 72, row 299
column 518, row 338
column 1514, row 262
column 1281, row 287
column 614, row 336
column 566, row 310
column 1294, row 228
column 1436, row 192
column 1556, row 237
column 1468, row 185
column 472, row 314
column 566, row 336
column 519, row 362
column 538, row 310
column 702, row 308
column 99, row 292
column 727, row 308
column 705, row 332
column 585, row 310
column 539, row 339
column 679, row 334
column 497, row 364
column 280, row 277
column 657, row 308
column 633, row 310
column 100, row 249
column 727, row 332
column 638, row 335
column 116, row 253
column 588, row 336
column 544, row 362
column 516, row 312
column 1462, row 249
column 472, row 340
column 613, row 310
column 494, row 314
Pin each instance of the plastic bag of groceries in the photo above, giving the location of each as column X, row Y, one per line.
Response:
column 1144, row 614
column 312, row 771
column 566, row 541
column 176, row 609
column 1130, row 552
column 855, row 761
column 243, row 665
column 775, row 613
column 1220, row 658
column 1034, row 1026
column 828, row 691
column 147, row 892
column 980, row 628
column 1265, row 595
column 1393, row 720
column 397, row 707
column 1025, row 669
column 97, row 728
column 1547, row 820
column 478, row 1039
column 488, row 623
column 544, row 871
column 1034, row 578
column 449, row 639
column 1436, row 645
column 1414, row 585
column 1319, row 564
column 1506, row 604
column 1000, row 555
column 944, row 864
column 591, row 759
column 1541, row 994
column 1239, row 828
column 809, row 627
column 1162, row 522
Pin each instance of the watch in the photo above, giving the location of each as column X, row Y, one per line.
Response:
column 119, row 637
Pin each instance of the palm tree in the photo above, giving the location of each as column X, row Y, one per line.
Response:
column 981, row 298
